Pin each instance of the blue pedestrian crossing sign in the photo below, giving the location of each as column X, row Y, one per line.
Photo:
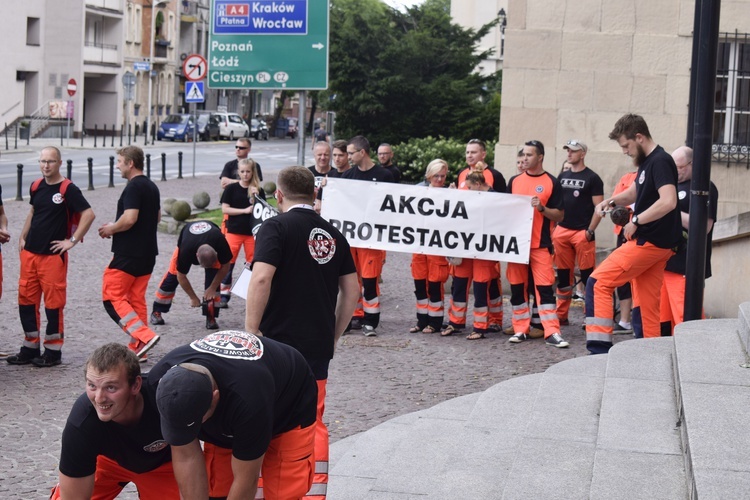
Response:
column 194, row 92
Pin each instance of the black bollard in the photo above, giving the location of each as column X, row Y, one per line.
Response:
column 91, row 174
column 19, row 182
column 122, row 131
column 112, row 142
column 15, row 141
column 129, row 136
column 62, row 134
column 111, row 172
column 70, row 169
column 164, row 166
column 95, row 130
column 145, row 136
column 6, row 136
column 179, row 164
column 83, row 133
column 148, row 165
column 104, row 136
column 135, row 135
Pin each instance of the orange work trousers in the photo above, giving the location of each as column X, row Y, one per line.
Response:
column 641, row 264
column 287, row 471
column 369, row 264
column 42, row 275
column 672, row 303
column 571, row 249
column 430, row 272
column 540, row 264
column 124, row 297
column 110, row 479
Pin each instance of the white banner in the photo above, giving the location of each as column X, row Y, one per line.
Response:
column 435, row 221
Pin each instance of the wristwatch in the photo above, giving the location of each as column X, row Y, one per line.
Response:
column 634, row 220
column 73, row 240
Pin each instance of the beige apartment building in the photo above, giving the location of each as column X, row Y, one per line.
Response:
column 572, row 68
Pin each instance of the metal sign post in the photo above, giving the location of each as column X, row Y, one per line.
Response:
column 72, row 87
column 128, row 83
column 194, row 68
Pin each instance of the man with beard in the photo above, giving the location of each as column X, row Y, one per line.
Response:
column 385, row 158
column 652, row 236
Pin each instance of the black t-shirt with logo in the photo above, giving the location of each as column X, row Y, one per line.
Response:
column 141, row 194
column 309, row 255
column 51, row 212
column 138, row 448
column 236, row 196
column 265, row 389
column 577, row 189
column 656, row 171
column 194, row 235
column 678, row 262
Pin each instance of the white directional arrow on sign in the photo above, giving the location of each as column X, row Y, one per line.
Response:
column 318, row 46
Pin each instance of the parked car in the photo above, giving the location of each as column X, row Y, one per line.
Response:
column 231, row 126
column 176, row 128
column 292, row 131
column 258, row 129
column 208, row 127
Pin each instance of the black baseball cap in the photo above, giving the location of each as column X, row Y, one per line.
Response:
column 183, row 398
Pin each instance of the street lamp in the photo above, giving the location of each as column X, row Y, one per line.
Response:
column 152, row 35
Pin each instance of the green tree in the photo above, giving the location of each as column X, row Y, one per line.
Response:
column 397, row 75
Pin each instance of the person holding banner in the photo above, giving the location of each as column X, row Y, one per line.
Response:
column 464, row 272
column 369, row 262
column 547, row 201
column 430, row 272
column 488, row 296
column 237, row 204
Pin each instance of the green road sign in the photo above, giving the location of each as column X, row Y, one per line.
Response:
column 268, row 44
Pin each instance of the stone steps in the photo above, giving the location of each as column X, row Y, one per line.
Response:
column 654, row 419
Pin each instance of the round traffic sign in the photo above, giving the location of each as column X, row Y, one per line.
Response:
column 72, row 87
column 194, row 67
column 128, row 79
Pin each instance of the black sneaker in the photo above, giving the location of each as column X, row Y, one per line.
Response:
column 48, row 359
column 211, row 324
column 564, row 322
column 518, row 338
column 156, row 318
column 223, row 303
column 24, row 356
column 556, row 340
column 356, row 324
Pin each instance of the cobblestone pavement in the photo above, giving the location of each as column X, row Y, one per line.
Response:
column 371, row 379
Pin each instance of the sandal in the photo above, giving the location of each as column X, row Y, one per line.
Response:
column 475, row 336
column 414, row 329
column 450, row 330
column 429, row 329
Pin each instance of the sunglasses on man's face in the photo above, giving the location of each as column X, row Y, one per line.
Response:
column 241, row 148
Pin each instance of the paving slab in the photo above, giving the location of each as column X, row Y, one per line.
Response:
column 628, row 475
column 648, row 359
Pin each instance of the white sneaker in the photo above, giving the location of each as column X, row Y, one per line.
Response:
column 556, row 340
column 369, row 331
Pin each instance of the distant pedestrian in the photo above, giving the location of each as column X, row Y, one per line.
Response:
column 45, row 240
column 135, row 249
column 200, row 243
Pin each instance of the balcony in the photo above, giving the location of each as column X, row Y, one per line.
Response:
column 101, row 53
column 114, row 5
column 161, row 47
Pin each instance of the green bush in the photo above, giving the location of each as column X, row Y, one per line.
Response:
column 413, row 157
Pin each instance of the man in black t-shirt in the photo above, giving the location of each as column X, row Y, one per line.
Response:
column 135, row 249
column 385, row 158
column 369, row 262
column 673, row 289
column 251, row 400
column 200, row 243
column 113, row 434
column 321, row 170
column 45, row 239
column 229, row 172
column 574, row 239
column 652, row 235
column 299, row 246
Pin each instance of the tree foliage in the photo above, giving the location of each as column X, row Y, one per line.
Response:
column 398, row 75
